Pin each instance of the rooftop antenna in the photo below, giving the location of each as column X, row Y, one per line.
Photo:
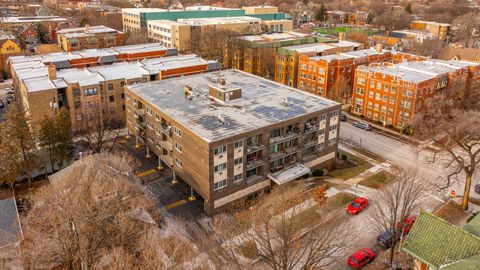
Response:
column 221, row 118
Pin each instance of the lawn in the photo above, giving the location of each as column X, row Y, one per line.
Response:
column 337, row 201
column 359, row 165
column 378, row 180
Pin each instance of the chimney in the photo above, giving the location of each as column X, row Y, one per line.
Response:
column 379, row 48
column 221, row 81
column 52, row 72
column 341, row 36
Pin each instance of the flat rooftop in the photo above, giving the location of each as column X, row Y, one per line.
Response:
column 87, row 31
column 320, row 47
column 418, row 71
column 32, row 19
column 158, row 10
column 66, row 56
column 430, row 22
column 35, row 73
column 364, row 53
column 263, row 103
column 275, row 37
column 220, row 20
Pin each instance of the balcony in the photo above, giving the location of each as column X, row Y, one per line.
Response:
column 166, row 129
column 255, row 147
column 139, row 112
column 253, row 178
column 311, row 127
column 282, row 153
column 166, row 145
column 308, row 157
column 288, row 173
column 166, row 159
column 286, row 137
column 140, row 124
column 309, row 143
column 254, row 164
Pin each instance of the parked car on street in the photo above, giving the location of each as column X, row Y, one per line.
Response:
column 406, row 225
column 357, row 205
column 361, row 258
column 362, row 125
column 10, row 91
column 343, row 117
column 386, row 239
column 9, row 99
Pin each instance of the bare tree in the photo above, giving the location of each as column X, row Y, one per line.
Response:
column 395, row 204
column 393, row 20
column 94, row 215
column 359, row 37
column 340, row 90
column 285, row 236
column 451, row 121
column 467, row 30
column 101, row 133
column 429, row 47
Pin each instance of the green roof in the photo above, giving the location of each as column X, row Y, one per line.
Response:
column 473, row 226
column 438, row 243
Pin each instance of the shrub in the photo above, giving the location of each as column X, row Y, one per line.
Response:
column 344, row 157
column 317, row 173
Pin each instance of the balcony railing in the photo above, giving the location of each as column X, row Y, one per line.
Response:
column 308, row 157
column 140, row 112
column 254, row 164
column 255, row 147
column 286, row 137
column 167, row 130
column 167, row 159
column 309, row 143
column 166, row 145
column 309, row 128
column 140, row 124
column 253, row 178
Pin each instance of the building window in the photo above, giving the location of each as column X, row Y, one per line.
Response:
column 177, row 131
column 220, row 167
column 238, row 144
column 111, row 99
column 77, row 104
column 392, row 90
column 112, row 110
column 237, row 161
column 379, row 85
column 372, row 84
column 360, row 91
column 322, row 71
column 237, row 178
column 275, row 133
column 76, row 92
column 220, row 150
column 220, row 184
column 90, row 92
column 178, row 147
column 274, row 148
column 178, row 162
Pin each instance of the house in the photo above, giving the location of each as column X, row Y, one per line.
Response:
column 465, row 54
column 437, row 244
column 9, row 46
column 28, row 36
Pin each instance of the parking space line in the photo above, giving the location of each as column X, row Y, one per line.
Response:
column 175, row 204
column 145, row 173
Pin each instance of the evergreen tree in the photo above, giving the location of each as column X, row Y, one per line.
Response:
column 408, row 8
column 16, row 146
column 322, row 13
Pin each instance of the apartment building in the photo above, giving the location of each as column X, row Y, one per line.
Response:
column 230, row 134
column 392, row 93
column 439, row 30
column 135, row 20
column 287, row 58
column 89, row 37
column 264, row 12
column 93, row 57
column 332, row 76
column 88, row 92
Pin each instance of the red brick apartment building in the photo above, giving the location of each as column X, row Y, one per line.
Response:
column 329, row 75
column 391, row 93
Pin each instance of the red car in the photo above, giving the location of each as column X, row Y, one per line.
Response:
column 361, row 258
column 406, row 225
column 357, row 206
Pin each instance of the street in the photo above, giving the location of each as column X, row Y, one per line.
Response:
column 407, row 157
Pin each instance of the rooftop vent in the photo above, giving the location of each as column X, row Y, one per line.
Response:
column 221, row 118
column 222, row 81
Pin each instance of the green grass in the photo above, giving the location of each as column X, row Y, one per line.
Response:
column 378, row 180
column 347, row 173
column 345, row 29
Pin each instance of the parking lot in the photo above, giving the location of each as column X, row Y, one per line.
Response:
column 3, row 98
column 174, row 198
